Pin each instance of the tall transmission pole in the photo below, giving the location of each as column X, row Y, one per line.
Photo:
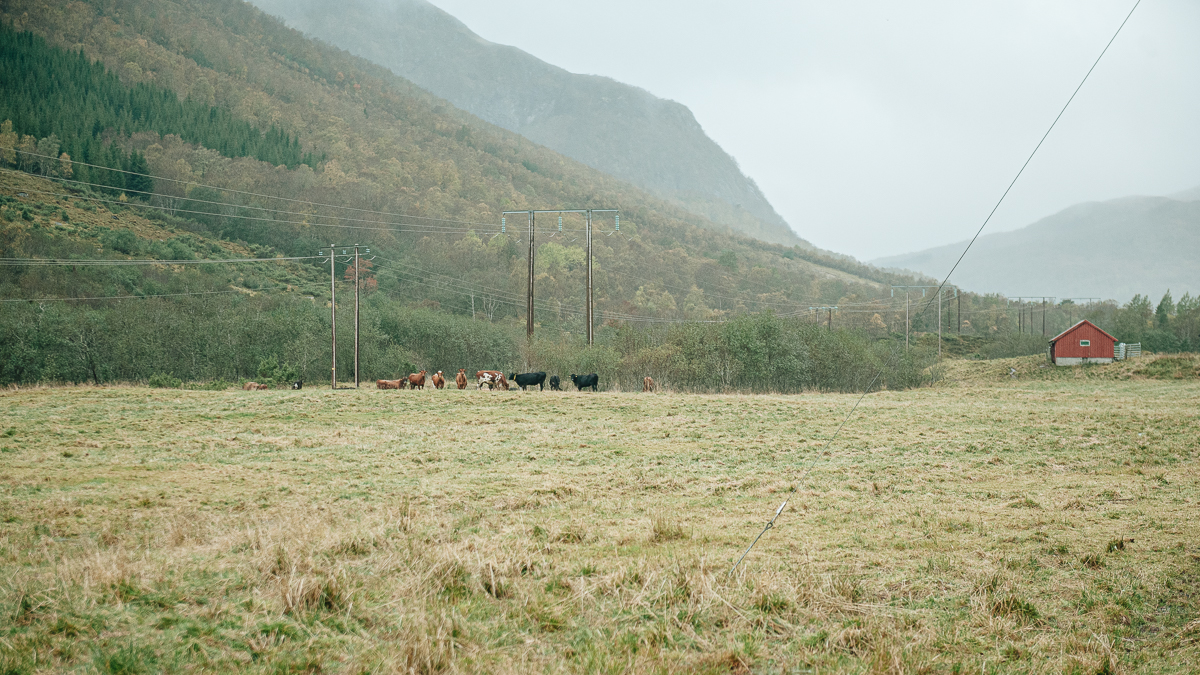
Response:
column 356, row 286
column 588, row 311
column 332, row 319
column 529, row 295
column 939, row 325
column 590, row 322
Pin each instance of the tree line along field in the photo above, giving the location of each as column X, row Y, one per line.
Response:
column 1043, row 524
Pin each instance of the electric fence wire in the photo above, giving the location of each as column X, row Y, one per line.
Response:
column 817, row 455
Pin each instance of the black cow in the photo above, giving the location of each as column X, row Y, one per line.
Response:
column 298, row 384
column 528, row 380
column 585, row 381
column 555, row 383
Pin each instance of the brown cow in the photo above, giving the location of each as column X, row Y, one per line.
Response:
column 461, row 378
column 648, row 384
column 390, row 384
column 417, row 380
column 438, row 380
column 254, row 386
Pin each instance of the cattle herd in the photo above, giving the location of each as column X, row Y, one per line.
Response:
column 489, row 378
column 496, row 378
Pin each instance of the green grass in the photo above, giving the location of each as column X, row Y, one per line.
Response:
column 1013, row 526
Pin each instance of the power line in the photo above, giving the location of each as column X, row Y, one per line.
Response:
column 249, row 207
column 118, row 297
column 172, row 211
column 252, row 194
column 878, row 375
column 61, row 262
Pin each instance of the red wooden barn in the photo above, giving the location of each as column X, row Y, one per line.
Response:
column 1082, row 343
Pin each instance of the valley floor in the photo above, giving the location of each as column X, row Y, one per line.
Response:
column 980, row 526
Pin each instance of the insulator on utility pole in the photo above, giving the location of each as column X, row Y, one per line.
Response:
column 560, row 223
column 618, row 222
column 503, row 226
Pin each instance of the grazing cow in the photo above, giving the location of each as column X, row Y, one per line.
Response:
column 555, row 383
column 503, row 382
column 263, row 387
column 250, row 386
column 489, row 377
column 298, row 384
column 461, row 378
column 438, row 380
column 417, row 380
column 529, row 379
column 648, row 384
column 390, row 384
column 584, row 381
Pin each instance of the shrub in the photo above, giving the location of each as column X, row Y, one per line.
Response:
column 164, row 381
column 121, row 240
column 270, row 371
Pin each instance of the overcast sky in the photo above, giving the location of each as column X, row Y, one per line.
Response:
column 877, row 128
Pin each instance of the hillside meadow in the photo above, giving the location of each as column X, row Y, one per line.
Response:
column 983, row 525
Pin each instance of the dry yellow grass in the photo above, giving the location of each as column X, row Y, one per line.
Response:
column 980, row 526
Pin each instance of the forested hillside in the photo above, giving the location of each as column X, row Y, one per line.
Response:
column 378, row 162
column 622, row 130
column 419, row 182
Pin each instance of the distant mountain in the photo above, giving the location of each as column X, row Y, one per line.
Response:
column 1112, row 250
column 617, row 128
column 1187, row 195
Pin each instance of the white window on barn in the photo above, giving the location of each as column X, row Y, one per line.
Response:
column 1085, row 343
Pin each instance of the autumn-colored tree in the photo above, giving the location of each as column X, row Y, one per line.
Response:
column 366, row 280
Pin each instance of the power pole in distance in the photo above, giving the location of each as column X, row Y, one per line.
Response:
column 908, row 309
column 588, row 312
column 357, row 285
column 332, row 320
column 529, row 298
column 588, row 291
column 829, row 325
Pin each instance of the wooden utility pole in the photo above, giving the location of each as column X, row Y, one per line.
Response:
column 958, row 313
column 588, row 300
column 907, row 318
column 1043, row 317
column 939, row 324
column 356, row 285
column 829, row 326
column 529, row 295
column 332, row 319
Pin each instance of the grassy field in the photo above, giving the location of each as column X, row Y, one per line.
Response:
column 984, row 525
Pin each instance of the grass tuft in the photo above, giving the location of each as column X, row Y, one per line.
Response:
column 664, row 528
column 1012, row 606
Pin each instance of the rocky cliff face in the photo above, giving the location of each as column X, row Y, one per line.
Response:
column 622, row 130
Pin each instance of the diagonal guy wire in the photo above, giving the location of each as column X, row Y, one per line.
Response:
column 818, row 455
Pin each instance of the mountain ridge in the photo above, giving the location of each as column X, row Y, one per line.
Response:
column 623, row 130
column 1111, row 249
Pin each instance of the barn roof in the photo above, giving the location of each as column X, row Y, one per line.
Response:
column 1056, row 337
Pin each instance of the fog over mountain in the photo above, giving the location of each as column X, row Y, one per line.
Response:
column 622, row 130
column 1111, row 250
